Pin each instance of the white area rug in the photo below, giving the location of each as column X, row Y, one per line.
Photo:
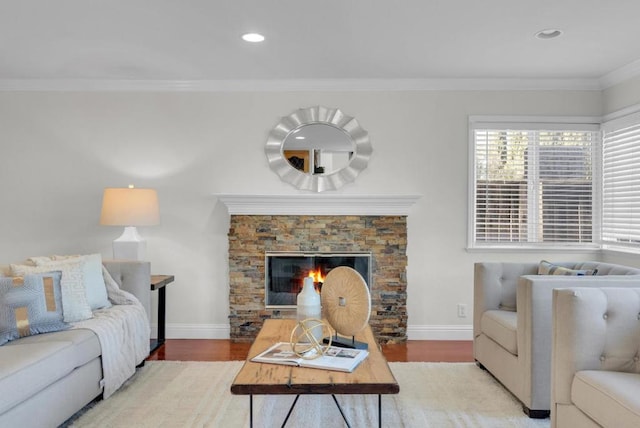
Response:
column 196, row 394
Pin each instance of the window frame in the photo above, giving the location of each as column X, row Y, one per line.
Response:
column 535, row 123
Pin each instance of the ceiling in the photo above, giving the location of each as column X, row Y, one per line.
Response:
column 330, row 40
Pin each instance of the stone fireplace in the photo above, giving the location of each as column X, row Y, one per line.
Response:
column 365, row 225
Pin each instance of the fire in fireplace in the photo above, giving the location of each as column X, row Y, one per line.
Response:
column 285, row 273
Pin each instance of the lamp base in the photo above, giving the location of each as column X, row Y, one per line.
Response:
column 130, row 245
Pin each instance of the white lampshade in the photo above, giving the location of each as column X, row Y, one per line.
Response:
column 129, row 207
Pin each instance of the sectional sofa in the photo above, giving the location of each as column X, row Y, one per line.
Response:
column 46, row 377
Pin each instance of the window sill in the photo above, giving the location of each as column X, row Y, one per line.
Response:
column 620, row 250
column 534, row 249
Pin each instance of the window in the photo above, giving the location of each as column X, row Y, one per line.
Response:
column 621, row 182
column 532, row 184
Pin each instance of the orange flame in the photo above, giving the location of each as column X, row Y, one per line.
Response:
column 316, row 275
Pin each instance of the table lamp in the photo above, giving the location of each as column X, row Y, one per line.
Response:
column 129, row 207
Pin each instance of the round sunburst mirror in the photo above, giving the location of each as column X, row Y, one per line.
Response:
column 318, row 148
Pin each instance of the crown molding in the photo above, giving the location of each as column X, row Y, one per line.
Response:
column 296, row 85
column 316, row 204
column 612, row 78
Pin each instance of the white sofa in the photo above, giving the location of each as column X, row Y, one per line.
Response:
column 46, row 378
column 512, row 322
column 596, row 358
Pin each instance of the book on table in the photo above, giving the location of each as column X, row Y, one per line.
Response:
column 340, row 359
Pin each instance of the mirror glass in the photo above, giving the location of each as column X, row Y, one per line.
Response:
column 318, row 148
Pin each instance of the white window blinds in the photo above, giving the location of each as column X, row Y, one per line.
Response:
column 621, row 182
column 533, row 184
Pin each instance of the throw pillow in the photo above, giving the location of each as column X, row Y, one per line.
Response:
column 92, row 279
column 547, row 268
column 30, row 305
column 75, row 306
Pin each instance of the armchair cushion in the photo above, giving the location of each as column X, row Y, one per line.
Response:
column 501, row 326
column 609, row 398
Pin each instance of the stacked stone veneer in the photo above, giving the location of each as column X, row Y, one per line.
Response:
column 250, row 236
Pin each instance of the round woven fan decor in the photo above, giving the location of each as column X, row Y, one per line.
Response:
column 346, row 300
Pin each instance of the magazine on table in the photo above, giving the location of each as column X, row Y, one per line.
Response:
column 335, row 358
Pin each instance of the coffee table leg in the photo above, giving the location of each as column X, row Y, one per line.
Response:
column 341, row 412
column 290, row 410
column 334, row 399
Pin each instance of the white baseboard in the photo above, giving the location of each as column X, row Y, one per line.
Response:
column 440, row 332
column 193, row 331
column 221, row 331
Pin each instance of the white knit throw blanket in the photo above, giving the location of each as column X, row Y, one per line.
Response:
column 123, row 331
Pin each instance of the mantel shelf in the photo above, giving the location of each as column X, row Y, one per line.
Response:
column 318, row 204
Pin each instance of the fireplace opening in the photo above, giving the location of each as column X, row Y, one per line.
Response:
column 285, row 273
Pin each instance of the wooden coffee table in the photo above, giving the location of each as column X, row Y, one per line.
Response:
column 372, row 376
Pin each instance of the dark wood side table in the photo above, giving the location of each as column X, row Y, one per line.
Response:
column 159, row 282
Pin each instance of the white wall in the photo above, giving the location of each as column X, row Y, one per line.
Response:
column 621, row 96
column 59, row 150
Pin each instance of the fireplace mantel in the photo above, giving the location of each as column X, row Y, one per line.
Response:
column 318, row 204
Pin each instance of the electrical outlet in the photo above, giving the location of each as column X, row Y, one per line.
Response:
column 462, row 310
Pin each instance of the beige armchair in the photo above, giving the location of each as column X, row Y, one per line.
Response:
column 595, row 379
column 512, row 322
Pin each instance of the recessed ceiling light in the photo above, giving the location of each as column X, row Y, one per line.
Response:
column 253, row 37
column 551, row 33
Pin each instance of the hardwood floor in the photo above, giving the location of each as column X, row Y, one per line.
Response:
column 438, row 351
column 225, row 350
